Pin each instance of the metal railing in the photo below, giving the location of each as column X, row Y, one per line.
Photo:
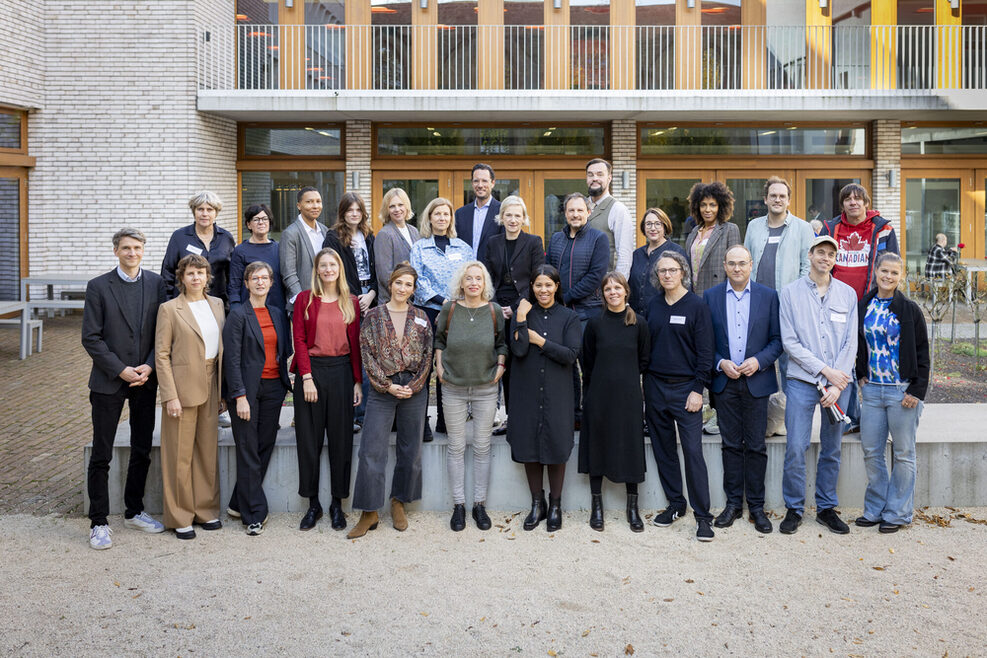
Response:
column 525, row 57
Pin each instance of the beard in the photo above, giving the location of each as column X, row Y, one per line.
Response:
column 595, row 190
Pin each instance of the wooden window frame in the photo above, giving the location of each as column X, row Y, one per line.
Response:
column 17, row 157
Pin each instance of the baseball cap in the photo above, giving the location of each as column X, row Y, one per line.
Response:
column 824, row 238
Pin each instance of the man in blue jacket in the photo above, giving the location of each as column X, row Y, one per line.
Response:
column 747, row 341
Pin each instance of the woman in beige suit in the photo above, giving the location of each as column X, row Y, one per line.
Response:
column 188, row 355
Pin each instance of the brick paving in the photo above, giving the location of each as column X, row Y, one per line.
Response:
column 44, row 420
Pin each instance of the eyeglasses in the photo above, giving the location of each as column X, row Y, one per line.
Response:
column 260, row 278
column 734, row 263
column 260, row 218
column 653, row 225
column 668, row 271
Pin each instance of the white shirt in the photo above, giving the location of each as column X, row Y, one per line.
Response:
column 315, row 235
column 207, row 326
column 406, row 234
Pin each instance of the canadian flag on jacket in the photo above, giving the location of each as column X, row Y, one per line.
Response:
column 855, row 253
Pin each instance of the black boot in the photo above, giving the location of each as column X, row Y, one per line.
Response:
column 538, row 511
column 633, row 516
column 336, row 514
column 458, row 520
column 427, row 432
column 554, row 514
column 596, row 513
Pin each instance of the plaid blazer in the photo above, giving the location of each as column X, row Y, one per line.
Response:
column 710, row 266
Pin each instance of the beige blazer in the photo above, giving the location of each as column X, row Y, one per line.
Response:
column 180, row 353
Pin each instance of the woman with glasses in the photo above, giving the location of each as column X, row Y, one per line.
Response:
column 258, row 247
column 656, row 227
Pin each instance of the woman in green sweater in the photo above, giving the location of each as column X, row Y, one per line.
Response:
column 470, row 350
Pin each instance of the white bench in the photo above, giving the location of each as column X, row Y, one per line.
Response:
column 25, row 322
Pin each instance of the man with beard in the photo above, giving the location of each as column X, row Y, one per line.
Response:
column 610, row 216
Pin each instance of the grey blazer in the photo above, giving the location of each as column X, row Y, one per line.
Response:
column 710, row 266
column 390, row 248
column 297, row 256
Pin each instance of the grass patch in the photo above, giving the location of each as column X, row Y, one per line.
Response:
column 967, row 349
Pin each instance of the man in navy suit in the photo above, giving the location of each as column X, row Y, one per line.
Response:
column 748, row 341
column 475, row 221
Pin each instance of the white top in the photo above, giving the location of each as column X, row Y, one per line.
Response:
column 314, row 235
column 405, row 233
column 207, row 326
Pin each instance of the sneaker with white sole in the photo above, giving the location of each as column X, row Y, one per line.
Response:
column 99, row 537
column 145, row 523
column 255, row 529
column 667, row 517
column 704, row 532
column 234, row 513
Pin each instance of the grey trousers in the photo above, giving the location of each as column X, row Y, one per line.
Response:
column 458, row 400
column 382, row 411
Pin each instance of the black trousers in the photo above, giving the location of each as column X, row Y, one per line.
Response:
column 254, row 446
column 440, row 418
column 331, row 416
column 664, row 410
column 743, row 420
column 106, row 410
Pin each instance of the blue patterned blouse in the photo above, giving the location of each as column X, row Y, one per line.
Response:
column 882, row 331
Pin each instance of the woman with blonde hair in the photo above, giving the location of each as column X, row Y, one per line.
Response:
column 393, row 242
column 470, row 350
column 326, row 330
column 616, row 350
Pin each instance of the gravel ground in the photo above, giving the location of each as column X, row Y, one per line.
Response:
column 428, row 591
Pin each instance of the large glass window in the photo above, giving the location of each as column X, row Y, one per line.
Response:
column 974, row 43
column 325, row 46
column 822, row 197
column 589, row 43
column 279, row 190
column 851, row 44
column 932, row 205
column 523, row 140
column 391, row 51
column 312, row 141
column 457, row 44
column 420, row 191
column 257, row 44
column 785, row 37
column 655, row 44
column 737, row 140
column 10, row 131
column 943, row 141
column 721, row 44
column 257, row 12
column 672, row 196
column 524, row 44
column 10, row 232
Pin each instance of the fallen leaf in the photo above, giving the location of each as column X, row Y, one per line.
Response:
column 700, row 593
column 586, row 632
column 345, row 633
column 247, row 617
column 116, row 583
column 890, row 550
column 951, row 558
column 627, row 579
column 595, row 541
column 668, row 600
column 423, row 614
column 552, row 653
column 878, row 568
column 689, row 580
column 629, row 650
column 137, row 595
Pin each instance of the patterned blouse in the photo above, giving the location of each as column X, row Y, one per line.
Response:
column 384, row 355
column 883, row 333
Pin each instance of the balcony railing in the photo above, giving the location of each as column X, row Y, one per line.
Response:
column 531, row 57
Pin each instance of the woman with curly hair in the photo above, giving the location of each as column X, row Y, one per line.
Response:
column 711, row 205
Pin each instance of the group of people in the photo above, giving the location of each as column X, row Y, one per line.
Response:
column 588, row 334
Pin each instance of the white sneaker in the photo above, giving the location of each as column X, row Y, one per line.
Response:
column 99, row 538
column 255, row 529
column 144, row 522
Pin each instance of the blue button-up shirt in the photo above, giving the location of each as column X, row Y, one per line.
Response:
column 818, row 331
column 738, row 315
column 479, row 216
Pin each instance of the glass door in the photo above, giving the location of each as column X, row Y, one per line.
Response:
column 669, row 190
column 748, row 196
column 551, row 188
column 421, row 187
column 507, row 183
column 933, row 202
column 818, row 192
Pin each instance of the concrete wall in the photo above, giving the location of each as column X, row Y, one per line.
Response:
column 22, row 35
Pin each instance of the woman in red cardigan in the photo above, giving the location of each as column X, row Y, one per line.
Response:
column 326, row 330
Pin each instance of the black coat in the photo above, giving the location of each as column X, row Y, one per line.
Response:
column 529, row 253
column 243, row 350
column 107, row 333
column 464, row 225
column 540, row 425
column 185, row 241
column 913, row 343
column 349, row 263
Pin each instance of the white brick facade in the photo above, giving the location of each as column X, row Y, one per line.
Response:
column 358, row 153
column 22, row 40
column 887, row 157
column 623, row 136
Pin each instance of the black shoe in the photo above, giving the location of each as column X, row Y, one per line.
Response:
column 336, row 515
column 311, row 518
column 790, row 523
column 215, row 524
column 703, row 530
column 427, row 433
column 729, row 514
column 761, row 521
column 633, row 516
column 596, row 512
column 539, row 510
column 190, row 534
column 832, row 520
column 667, row 517
column 480, row 516
column 863, row 522
column 554, row 518
column 458, row 520
column 500, row 430
column 440, row 426
column 888, row 528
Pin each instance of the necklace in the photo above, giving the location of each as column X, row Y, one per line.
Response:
column 472, row 311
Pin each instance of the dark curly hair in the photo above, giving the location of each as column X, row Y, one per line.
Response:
column 717, row 191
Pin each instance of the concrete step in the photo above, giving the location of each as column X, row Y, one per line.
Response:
column 951, row 462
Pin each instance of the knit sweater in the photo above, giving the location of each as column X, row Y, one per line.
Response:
column 471, row 344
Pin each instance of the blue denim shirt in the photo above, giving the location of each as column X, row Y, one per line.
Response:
column 792, row 257
column 818, row 331
column 436, row 267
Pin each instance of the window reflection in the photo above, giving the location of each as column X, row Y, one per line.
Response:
column 524, row 37
column 391, row 53
column 10, row 131
column 310, row 141
column 10, row 231
column 279, row 190
column 727, row 140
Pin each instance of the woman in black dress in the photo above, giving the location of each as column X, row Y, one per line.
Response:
column 545, row 341
column 616, row 350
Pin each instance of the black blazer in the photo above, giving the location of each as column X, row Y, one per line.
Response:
column 349, row 263
column 243, row 350
column 108, row 335
column 464, row 226
column 529, row 253
column 913, row 343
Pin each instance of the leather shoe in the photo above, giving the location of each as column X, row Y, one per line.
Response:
column 399, row 518
column 596, row 513
column 427, row 433
column 633, row 515
column 554, row 519
column 832, row 520
column 458, row 520
column 336, row 515
column 539, row 510
column 311, row 517
column 790, row 523
column 368, row 521
column 761, row 521
column 888, row 528
column 480, row 516
column 215, row 524
column 500, row 430
column 729, row 514
column 864, row 522
column 189, row 534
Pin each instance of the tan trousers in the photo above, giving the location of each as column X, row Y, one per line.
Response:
column 189, row 461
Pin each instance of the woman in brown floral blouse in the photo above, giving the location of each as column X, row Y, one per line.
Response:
column 396, row 343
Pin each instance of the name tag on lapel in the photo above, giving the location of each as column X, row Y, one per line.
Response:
column 455, row 257
column 774, row 239
column 193, row 249
column 837, row 317
column 421, row 322
column 676, row 319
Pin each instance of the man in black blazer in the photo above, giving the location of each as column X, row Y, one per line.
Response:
column 747, row 337
column 118, row 324
column 475, row 221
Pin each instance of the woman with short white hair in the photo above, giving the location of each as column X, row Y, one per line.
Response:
column 470, row 351
column 202, row 238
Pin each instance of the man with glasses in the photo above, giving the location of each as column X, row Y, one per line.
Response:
column 747, row 342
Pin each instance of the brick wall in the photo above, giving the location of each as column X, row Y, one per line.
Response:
column 887, row 157
column 22, row 75
column 358, row 152
column 624, row 153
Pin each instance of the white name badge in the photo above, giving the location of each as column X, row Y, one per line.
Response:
column 421, row 322
column 192, row 248
column 837, row 317
column 455, row 257
column 676, row 319
column 774, row 239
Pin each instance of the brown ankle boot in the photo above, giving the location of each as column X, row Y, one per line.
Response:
column 398, row 517
column 368, row 521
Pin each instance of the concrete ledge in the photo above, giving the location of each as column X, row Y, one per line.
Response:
column 952, row 470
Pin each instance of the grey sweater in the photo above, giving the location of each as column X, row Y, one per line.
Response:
column 471, row 344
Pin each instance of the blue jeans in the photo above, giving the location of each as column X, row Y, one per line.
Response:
column 803, row 398
column 888, row 498
column 782, row 366
column 853, row 404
